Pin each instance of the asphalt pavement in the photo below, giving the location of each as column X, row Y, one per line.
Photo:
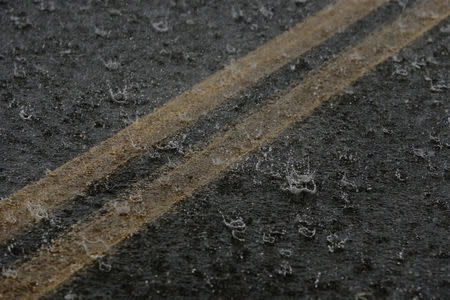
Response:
column 373, row 221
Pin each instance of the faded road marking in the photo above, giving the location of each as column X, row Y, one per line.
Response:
column 86, row 242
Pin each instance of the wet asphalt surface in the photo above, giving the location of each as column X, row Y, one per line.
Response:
column 377, row 227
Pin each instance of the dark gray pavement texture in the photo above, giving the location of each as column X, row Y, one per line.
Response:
column 59, row 62
column 378, row 225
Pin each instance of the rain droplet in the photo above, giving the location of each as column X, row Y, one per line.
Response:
column 37, row 210
column 161, row 26
column 335, row 243
column 285, row 252
column 285, row 268
column 9, row 273
column 122, row 208
column 94, row 249
column 11, row 219
column 307, row 232
column 267, row 238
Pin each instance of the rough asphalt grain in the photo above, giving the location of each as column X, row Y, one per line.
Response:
column 377, row 226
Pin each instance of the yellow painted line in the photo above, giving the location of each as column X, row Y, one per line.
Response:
column 86, row 242
column 35, row 201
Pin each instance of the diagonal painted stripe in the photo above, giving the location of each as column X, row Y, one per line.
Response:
column 86, row 242
column 36, row 200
